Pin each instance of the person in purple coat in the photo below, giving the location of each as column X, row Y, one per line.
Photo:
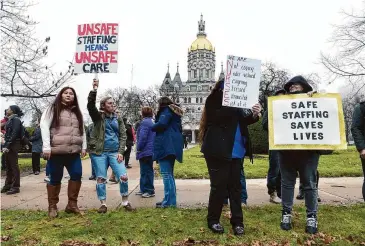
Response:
column 145, row 140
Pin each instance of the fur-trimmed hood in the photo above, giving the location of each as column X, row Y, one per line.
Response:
column 176, row 109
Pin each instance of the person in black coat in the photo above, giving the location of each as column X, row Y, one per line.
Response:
column 36, row 141
column 225, row 142
column 11, row 149
column 305, row 162
column 129, row 144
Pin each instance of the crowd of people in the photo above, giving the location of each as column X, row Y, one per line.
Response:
column 61, row 138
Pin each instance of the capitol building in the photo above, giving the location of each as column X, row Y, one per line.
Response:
column 191, row 94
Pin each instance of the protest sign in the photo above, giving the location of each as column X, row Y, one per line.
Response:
column 303, row 122
column 97, row 48
column 242, row 82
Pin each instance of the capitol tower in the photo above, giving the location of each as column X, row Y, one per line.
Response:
column 191, row 95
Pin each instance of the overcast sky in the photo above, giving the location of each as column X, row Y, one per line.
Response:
column 153, row 33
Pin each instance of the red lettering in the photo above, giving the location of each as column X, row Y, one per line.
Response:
column 98, row 28
column 114, row 27
column 113, row 58
column 96, row 57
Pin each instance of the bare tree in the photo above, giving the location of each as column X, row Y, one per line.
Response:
column 351, row 95
column 272, row 79
column 23, row 71
column 130, row 102
column 348, row 41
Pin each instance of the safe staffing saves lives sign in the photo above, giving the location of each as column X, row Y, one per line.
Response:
column 97, row 48
column 302, row 122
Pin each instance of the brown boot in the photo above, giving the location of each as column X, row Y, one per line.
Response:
column 53, row 192
column 73, row 193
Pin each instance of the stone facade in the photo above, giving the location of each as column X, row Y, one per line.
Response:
column 191, row 94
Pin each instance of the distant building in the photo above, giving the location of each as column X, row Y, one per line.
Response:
column 191, row 95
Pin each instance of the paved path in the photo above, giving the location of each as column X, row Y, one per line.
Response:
column 191, row 193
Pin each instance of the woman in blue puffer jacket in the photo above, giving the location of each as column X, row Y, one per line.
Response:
column 168, row 146
column 145, row 139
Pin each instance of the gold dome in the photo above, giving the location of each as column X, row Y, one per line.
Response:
column 201, row 43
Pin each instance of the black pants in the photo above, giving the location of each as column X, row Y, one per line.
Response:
column 36, row 162
column 3, row 164
column 127, row 155
column 12, row 167
column 224, row 175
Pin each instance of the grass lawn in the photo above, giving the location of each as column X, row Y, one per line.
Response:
column 338, row 226
column 344, row 163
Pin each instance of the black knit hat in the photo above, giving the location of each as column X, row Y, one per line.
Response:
column 299, row 80
column 281, row 91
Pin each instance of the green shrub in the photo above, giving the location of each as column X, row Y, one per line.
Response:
column 259, row 138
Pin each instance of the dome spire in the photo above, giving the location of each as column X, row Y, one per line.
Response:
column 201, row 27
column 177, row 69
column 221, row 75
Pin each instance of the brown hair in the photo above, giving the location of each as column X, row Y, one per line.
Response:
column 147, row 112
column 203, row 120
column 58, row 106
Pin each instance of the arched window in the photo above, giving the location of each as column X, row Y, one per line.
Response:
column 197, row 100
column 201, row 100
column 195, row 73
column 189, row 100
column 185, row 100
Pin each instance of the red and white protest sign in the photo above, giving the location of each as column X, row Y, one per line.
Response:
column 97, row 48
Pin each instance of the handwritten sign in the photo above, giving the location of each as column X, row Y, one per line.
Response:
column 302, row 122
column 242, row 82
column 97, row 48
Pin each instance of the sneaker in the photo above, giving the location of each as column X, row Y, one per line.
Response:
column 46, row 179
column 238, row 230
column 128, row 166
column 67, row 176
column 216, row 228
column 147, row 195
column 274, row 198
column 13, row 191
column 92, row 177
column 139, row 193
column 36, row 173
column 286, row 221
column 129, row 207
column 319, row 199
column 103, row 209
column 312, row 225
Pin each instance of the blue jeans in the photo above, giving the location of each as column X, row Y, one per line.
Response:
column 306, row 163
column 47, row 169
column 146, row 175
column 101, row 165
column 244, row 195
column 167, row 173
column 57, row 163
column 273, row 177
